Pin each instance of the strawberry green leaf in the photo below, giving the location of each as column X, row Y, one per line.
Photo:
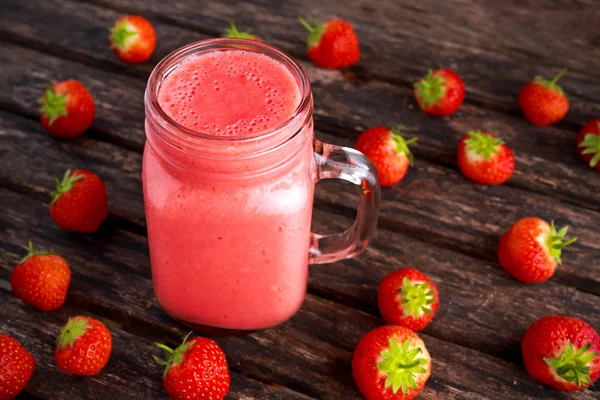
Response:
column 75, row 328
column 483, row 144
column 33, row 253
column 573, row 365
column 430, row 89
column 591, row 145
column 65, row 185
column 402, row 145
column 232, row 32
column 173, row 356
column 401, row 364
column 551, row 84
column 556, row 242
column 53, row 105
column 416, row 298
column 119, row 35
column 316, row 31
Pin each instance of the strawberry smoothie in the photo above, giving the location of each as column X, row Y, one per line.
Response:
column 229, row 221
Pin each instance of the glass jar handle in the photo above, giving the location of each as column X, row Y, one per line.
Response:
column 335, row 162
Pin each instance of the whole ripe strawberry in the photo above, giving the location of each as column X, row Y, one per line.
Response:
column 83, row 346
column 41, row 279
column 67, row 109
column 197, row 369
column 391, row 363
column 440, row 93
column 408, row 298
column 562, row 352
column 133, row 39
column 530, row 250
column 79, row 203
column 16, row 367
column 543, row 102
column 232, row 32
column 332, row 44
column 588, row 143
column 485, row 159
column 388, row 151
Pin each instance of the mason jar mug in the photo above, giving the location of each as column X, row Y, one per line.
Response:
column 229, row 216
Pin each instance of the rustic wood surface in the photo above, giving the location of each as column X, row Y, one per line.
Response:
column 434, row 220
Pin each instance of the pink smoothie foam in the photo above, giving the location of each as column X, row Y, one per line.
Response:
column 230, row 93
column 229, row 253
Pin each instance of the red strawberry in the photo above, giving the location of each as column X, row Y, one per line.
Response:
column 562, row 352
column 196, row 369
column 483, row 158
column 332, row 44
column 391, row 363
column 16, row 367
column 83, row 346
column 79, row 203
column 133, row 39
column 388, row 151
column 41, row 279
column 531, row 249
column 440, row 93
column 67, row 109
column 232, row 32
column 543, row 102
column 588, row 143
column 408, row 298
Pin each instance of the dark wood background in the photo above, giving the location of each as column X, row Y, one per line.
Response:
column 435, row 220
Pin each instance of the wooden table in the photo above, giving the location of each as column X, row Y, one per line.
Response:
column 435, row 220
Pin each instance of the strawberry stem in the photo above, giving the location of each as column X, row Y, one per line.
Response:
column 417, row 298
column 430, row 89
column 483, row 144
column 402, row 145
column 65, row 185
column 558, row 76
column 315, row 31
column 591, row 145
column 556, row 241
column 306, row 25
column 551, row 84
column 119, row 34
column 401, row 364
column 572, row 364
column 75, row 328
column 33, row 253
column 53, row 105
column 172, row 356
column 232, row 32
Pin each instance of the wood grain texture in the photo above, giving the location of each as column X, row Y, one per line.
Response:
column 435, row 220
column 396, row 44
column 481, row 306
column 310, row 354
column 433, row 204
column 131, row 373
column 547, row 160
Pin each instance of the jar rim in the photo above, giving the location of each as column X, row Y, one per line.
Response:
column 220, row 44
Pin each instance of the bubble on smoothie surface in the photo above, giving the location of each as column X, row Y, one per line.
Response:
column 229, row 93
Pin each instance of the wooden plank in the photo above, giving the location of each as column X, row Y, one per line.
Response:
column 434, row 204
column 49, row 158
column 310, row 354
column 439, row 206
column 481, row 306
column 345, row 284
column 131, row 373
column 395, row 47
column 550, row 32
column 343, row 108
column 445, row 233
